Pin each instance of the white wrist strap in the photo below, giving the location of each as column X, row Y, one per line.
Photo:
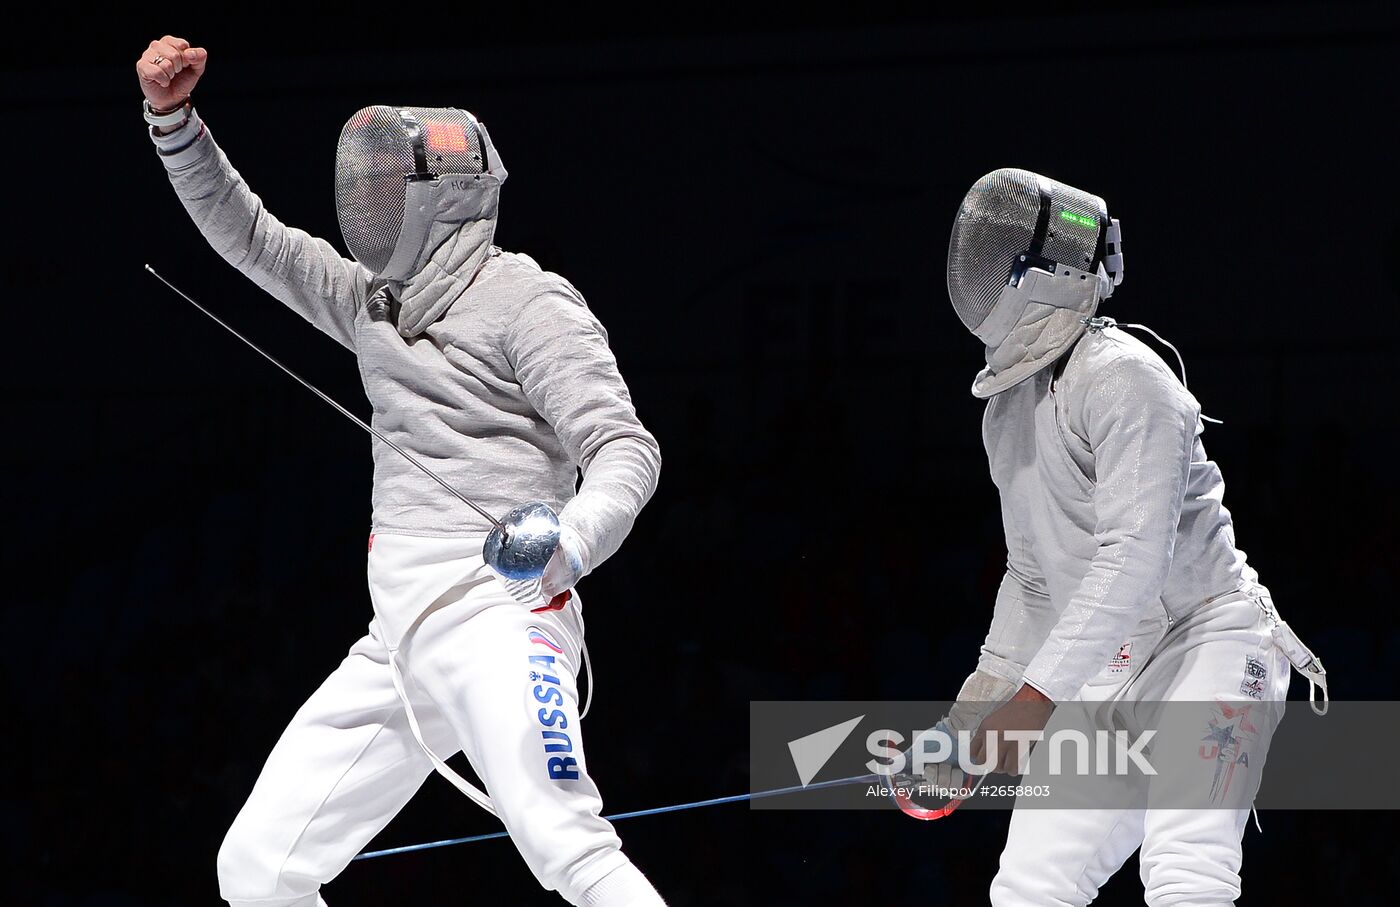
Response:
column 173, row 120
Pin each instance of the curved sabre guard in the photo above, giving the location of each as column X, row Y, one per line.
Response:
column 909, row 791
column 908, row 805
column 521, row 546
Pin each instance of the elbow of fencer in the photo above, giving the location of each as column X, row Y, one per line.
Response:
column 653, row 449
column 640, row 448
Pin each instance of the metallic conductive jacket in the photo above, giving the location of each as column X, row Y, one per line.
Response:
column 490, row 370
column 1113, row 515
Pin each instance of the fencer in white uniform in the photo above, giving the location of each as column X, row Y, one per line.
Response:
column 1123, row 578
column 498, row 375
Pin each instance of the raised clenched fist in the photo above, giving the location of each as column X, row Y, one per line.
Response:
column 168, row 71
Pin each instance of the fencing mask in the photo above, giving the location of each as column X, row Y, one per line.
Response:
column 1029, row 261
column 401, row 170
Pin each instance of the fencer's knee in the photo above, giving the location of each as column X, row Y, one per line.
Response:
column 1202, row 888
column 572, row 871
column 1012, row 889
column 237, row 868
column 250, row 873
column 1027, row 878
column 622, row 886
column 1002, row 893
column 1194, row 883
column 568, row 863
column 1194, row 866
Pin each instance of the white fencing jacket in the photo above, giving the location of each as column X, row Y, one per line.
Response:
column 1113, row 514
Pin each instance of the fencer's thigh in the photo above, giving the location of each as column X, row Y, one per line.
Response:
column 1214, row 691
column 1063, row 856
column 505, row 679
column 1225, row 682
column 341, row 770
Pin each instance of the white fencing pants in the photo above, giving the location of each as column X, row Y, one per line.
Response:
column 1190, row 857
column 483, row 675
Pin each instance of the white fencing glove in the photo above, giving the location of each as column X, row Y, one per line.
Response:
column 566, row 567
column 980, row 695
column 946, row 774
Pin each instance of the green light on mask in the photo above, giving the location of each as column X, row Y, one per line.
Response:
column 1080, row 220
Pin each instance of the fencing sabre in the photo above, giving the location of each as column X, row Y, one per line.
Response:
column 900, row 799
column 519, row 545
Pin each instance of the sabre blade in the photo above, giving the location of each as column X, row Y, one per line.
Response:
column 635, row 814
column 329, row 400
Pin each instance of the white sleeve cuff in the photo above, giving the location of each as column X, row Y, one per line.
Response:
column 1042, row 689
column 182, row 147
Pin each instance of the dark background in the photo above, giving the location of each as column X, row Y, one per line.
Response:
column 758, row 209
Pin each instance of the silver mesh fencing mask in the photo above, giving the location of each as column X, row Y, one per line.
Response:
column 1029, row 262
column 1020, row 238
column 397, row 170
